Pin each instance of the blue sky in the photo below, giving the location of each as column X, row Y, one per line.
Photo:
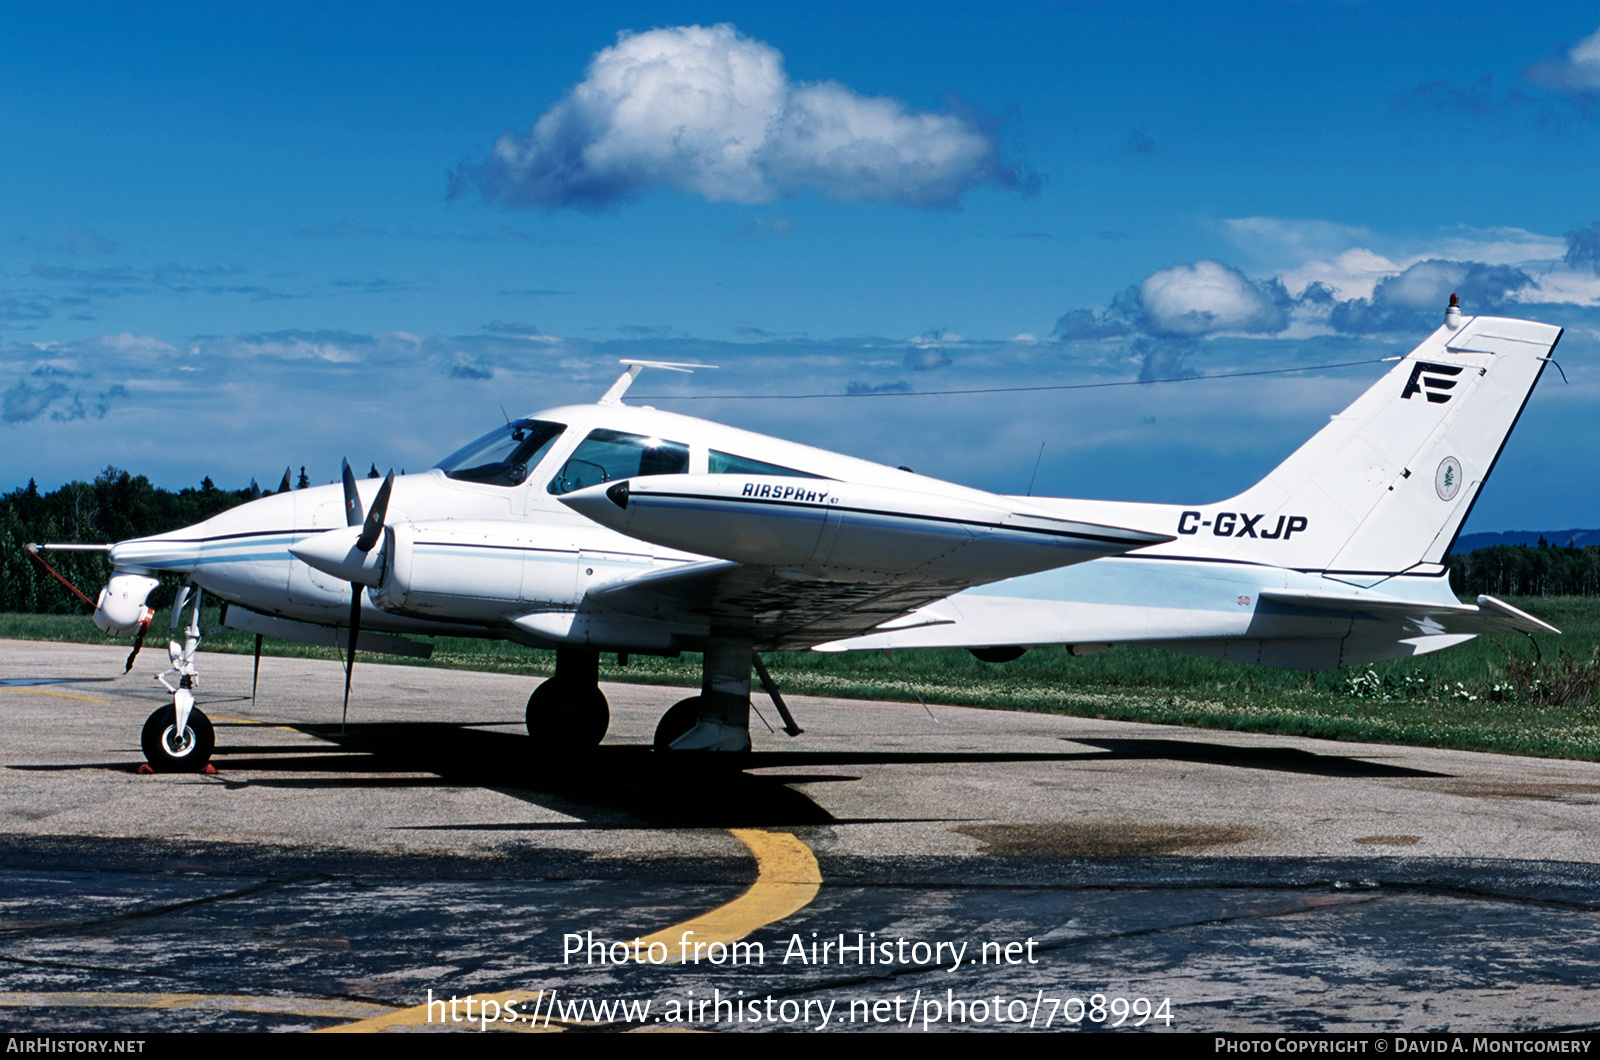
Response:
column 239, row 237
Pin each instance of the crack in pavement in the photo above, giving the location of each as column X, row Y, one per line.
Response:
column 71, row 926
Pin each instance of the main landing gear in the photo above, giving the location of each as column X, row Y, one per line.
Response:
column 718, row 719
column 568, row 712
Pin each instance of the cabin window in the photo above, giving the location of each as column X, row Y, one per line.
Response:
column 505, row 455
column 728, row 464
column 606, row 456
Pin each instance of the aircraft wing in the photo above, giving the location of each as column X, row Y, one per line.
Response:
column 779, row 610
column 803, row 561
column 1488, row 615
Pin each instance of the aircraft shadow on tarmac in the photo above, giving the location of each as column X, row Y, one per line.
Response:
column 613, row 787
column 1275, row 759
column 631, row 786
column 628, row 786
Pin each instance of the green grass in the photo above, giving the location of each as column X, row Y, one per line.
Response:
column 1474, row 696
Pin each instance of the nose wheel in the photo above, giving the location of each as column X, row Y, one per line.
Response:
column 170, row 749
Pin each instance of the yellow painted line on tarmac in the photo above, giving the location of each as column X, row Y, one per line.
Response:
column 326, row 1008
column 420, row 1015
column 224, row 719
column 787, row 879
column 62, row 695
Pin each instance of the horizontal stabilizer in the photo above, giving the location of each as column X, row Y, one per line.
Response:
column 1487, row 616
column 1520, row 621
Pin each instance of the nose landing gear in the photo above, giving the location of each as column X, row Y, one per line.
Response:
column 171, row 748
column 178, row 738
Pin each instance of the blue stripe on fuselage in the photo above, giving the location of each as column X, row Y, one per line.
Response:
column 1114, row 580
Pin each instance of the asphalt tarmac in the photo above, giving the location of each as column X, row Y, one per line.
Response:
column 887, row 870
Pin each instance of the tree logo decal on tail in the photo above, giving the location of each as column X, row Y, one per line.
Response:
column 1447, row 480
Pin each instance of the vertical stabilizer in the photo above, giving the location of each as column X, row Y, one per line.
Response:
column 1387, row 484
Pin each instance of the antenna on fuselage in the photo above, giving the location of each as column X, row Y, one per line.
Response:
column 620, row 387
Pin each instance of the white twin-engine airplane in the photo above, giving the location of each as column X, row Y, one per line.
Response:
column 616, row 528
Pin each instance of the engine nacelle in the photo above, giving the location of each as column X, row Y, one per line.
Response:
column 477, row 571
column 120, row 609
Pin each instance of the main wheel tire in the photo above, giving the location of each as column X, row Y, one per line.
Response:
column 998, row 655
column 679, row 719
column 568, row 718
column 169, row 751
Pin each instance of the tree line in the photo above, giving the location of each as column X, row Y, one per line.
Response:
column 114, row 507
column 1527, row 570
column 118, row 505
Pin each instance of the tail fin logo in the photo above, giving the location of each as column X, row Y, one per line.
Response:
column 1434, row 380
column 1447, row 480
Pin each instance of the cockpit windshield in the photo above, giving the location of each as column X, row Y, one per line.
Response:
column 505, row 455
column 607, row 455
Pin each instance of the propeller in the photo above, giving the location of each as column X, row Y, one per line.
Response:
column 371, row 529
column 283, row 487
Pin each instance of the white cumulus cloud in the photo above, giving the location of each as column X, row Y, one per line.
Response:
column 1205, row 297
column 1351, row 261
column 1274, row 241
column 1351, row 274
column 707, row 111
column 1580, row 72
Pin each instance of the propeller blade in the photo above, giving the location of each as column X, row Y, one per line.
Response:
column 283, row 487
column 255, row 489
column 350, row 660
column 255, row 675
column 373, row 527
column 353, row 514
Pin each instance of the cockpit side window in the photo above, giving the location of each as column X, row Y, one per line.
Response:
column 729, row 464
column 606, row 456
column 505, row 455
